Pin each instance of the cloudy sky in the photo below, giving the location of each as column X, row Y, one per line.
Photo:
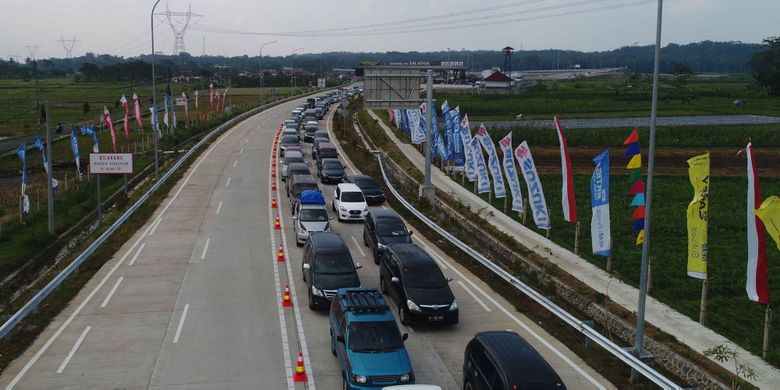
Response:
column 237, row 27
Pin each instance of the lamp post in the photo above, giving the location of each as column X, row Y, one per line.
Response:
column 154, row 100
column 262, row 74
column 292, row 66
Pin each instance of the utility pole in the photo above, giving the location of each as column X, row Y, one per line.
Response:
column 49, row 171
column 204, row 45
column 184, row 19
column 640, row 313
column 32, row 49
column 427, row 191
column 68, row 45
column 155, row 125
column 262, row 74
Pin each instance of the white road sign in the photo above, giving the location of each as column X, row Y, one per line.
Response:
column 110, row 163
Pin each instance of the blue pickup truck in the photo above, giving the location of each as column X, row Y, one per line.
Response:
column 366, row 340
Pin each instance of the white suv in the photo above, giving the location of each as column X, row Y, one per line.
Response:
column 349, row 202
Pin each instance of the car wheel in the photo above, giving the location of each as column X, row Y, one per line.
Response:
column 303, row 273
column 382, row 286
column 332, row 345
column 333, row 204
column 365, row 242
column 312, row 305
column 468, row 386
column 403, row 314
column 298, row 243
column 344, row 382
column 376, row 257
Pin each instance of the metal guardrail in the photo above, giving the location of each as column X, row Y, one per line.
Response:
column 616, row 350
column 33, row 303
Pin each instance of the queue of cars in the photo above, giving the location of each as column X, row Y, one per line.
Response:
column 364, row 335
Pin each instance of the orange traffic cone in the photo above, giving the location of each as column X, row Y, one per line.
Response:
column 273, row 173
column 273, row 202
column 280, row 254
column 277, row 224
column 286, row 302
column 300, row 372
column 273, row 185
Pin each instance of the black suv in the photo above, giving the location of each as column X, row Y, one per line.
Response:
column 414, row 281
column 330, row 170
column 384, row 227
column 372, row 191
column 502, row 360
column 327, row 266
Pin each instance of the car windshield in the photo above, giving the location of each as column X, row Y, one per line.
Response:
column 333, row 264
column 313, row 215
column 391, row 227
column 374, row 336
column 292, row 159
column 366, row 183
column 424, row 276
column 332, row 165
column 352, row 197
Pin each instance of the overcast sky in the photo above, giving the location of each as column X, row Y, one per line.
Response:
column 122, row 27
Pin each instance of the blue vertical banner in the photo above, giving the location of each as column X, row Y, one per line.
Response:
column 601, row 236
column 416, row 126
column 493, row 164
column 91, row 132
column 511, row 172
column 439, row 141
column 447, row 118
column 74, row 147
column 537, row 203
column 404, row 120
column 21, row 151
column 480, row 168
column 37, row 143
column 455, row 136
column 465, row 136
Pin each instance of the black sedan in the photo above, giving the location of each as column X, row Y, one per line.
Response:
column 330, row 170
column 372, row 191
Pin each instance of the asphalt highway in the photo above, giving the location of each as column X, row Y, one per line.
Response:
column 193, row 298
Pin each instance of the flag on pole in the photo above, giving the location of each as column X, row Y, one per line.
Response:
column 197, row 110
column 698, row 210
column 21, row 151
column 567, row 191
column 155, row 120
column 769, row 212
column 126, row 123
column 37, row 143
column 137, row 110
column 495, row 167
column 455, row 133
column 757, row 285
column 186, row 107
column 91, row 132
column 110, row 124
column 483, row 182
column 511, row 173
column 224, row 98
column 534, row 186
column 165, row 107
column 174, row 107
column 600, row 231
column 74, row 147
column 637, row 188
column 416, row 125
column 445, row 114
column 465, row 136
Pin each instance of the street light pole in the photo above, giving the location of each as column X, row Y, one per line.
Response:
column 427, row 191
column 640, row 313
column 292, row 66
column 262, row 74
column 154, row 101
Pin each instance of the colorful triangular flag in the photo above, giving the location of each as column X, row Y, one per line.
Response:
column 640, row 238
column 639, row 225
column 633, row 149
column 637, row 188
column 639, row 200
column 636, row 174
column 635, row 162
column 634, row 137
column 639, row 212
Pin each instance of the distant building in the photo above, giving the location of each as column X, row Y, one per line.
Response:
column 498, row 80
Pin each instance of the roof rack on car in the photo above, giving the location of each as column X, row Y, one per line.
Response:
column 364, row 301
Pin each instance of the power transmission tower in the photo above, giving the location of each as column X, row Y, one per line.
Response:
column 32, row 49
column 14, row 57
column 68, row 45
column 179, row 22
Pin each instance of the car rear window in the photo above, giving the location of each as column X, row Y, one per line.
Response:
column 352, row 197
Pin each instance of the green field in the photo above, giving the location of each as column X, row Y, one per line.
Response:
column 616, row 97
column 19, row 114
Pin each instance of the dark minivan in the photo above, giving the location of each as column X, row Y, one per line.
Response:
column 327, row 266
column 414, row 281
column 327, row 150
column 503, row 360
column 384, row 227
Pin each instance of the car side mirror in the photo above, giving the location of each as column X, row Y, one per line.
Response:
column 340, row 339
column 306, row 266
column 405, row 336
column 411, row 232
column 358, row 266
column 295, row 219
column 395, row 279
column 381, row 247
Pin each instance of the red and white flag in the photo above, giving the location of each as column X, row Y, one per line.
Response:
column 186, row 107
column 123, row 102
column 137, row 110
column 224, row 97
column 567, row 192
column 757, row 285
column 110, row 125
column 211, row 99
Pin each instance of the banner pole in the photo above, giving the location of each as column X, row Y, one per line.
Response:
column 505, row 203
column 703, row 307
column 609, row 264
column 99, row 210
column 547, row 234
column 577, row 238
column 525, row 201
column 649, row 273
column 49, row 172
column 767, row 327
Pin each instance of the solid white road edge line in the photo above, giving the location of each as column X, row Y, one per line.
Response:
column 235, row 163
column 155, row 225
column 205, row 248
column 227, row 183
column 138, row 252
column 181, row 323
column 484, row 306
column 296, row 307
column 286, row 356
column 241, row 151
column 219, row 207
column 113, row 290
column 89, row 297
column 362, row 253
column 73, row 350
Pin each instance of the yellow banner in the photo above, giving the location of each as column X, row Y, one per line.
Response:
column 698, row 209
column 769, row 212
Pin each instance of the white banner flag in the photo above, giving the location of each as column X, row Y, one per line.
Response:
column 465, row 136
column 495, row 167
column 415, row 123
column 535, row 193
column 483, row 183
column 511, row 172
